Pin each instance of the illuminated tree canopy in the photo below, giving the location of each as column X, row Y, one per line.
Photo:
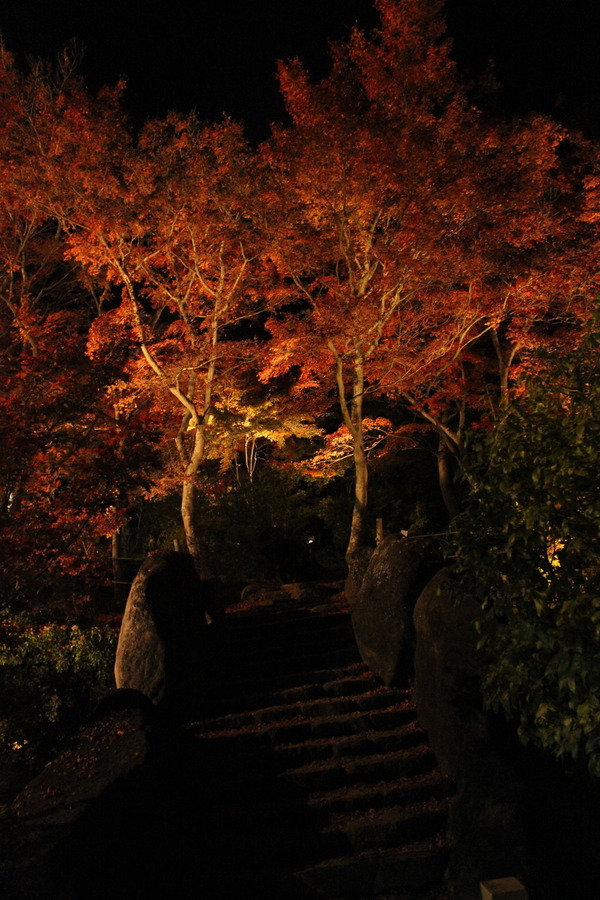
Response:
column 172, row 298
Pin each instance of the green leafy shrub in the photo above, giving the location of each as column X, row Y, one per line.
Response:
column 51, row 677
column 528, row 548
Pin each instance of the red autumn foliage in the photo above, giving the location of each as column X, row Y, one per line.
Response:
column 182, row 292
column 417, row 235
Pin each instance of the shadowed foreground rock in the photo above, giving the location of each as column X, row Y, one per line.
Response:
column 163, row 648
column 447, row 676
column 488, row 820
column 43, row 819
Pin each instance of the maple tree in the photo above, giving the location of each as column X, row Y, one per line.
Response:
column 158, row 238
column 525, row 259
column 178, row 240
column 392, row 243
column 173, row 303
column 371, row 206
column 66, row 460
column 411, row 228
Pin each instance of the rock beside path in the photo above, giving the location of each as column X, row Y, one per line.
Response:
column 383, row 606
column 163, row 649
column 447, row 677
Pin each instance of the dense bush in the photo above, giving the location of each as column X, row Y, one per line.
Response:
column 528, row 548
column 51, row 677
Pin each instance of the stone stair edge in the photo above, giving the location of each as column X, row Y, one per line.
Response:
column 295, row 714
column 343, row 763
column 326, row 676
column 310, row 753
column 283, row 695
column 380, row 698
column 420, row 848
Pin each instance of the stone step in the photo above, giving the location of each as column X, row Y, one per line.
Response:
column 263, row 780
column 278, row 669
column 271, row 632
column 373, row 873
column 296, row 833
column 251, row 752
column 419, row 797
column 363, row 720
column 287, row 653
column 347, row 685
column 390, row 826
column 244, row 696
column 270, row 654
column 388, row 700
column 285, row 617
column 270, row 646
column 369, row 743
column 274, row 629
column 235, row 675
column 300, row 840
column 302, row 721
column 394, row 792
column 329, row 774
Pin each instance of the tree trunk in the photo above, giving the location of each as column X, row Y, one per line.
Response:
column 353, row 420
column 446, row 480
column 120, row 588
column 505, row 360
column 361, row 479
column 197, row 459
column 188, row 517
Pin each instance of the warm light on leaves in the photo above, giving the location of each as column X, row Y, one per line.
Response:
column 183, row 295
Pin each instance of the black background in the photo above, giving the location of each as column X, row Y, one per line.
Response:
column 220, row 57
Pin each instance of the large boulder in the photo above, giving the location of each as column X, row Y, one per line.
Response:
column 162, row 650
column 357, row 564
column 487, row 823
column 383, row 606
column 447, row 676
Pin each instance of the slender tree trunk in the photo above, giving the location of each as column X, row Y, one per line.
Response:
column 196, row 460
column 120, row 589
column 446, row 480
column 353, row 419
column 505, row 361
column 188, row 517
column 188, row 496
column 361, row 481
column 192, row 418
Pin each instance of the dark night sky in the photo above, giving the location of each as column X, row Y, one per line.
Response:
column 220, row 56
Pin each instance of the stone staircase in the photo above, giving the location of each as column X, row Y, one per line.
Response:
column 301, row 777
column 321, row 782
